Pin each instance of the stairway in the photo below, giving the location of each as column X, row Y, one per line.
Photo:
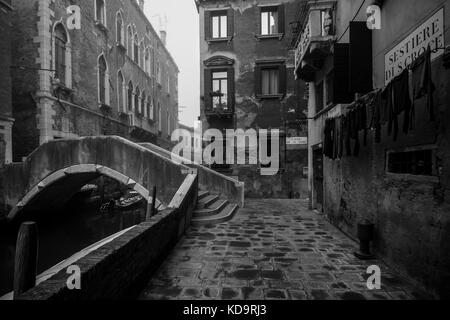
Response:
column 211, row 209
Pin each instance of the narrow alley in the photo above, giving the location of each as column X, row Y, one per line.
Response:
column 273, row 249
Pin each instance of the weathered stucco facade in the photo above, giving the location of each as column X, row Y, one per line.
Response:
column 6, row 117
column 410, row 211
column 243, row 52
column 116, row 76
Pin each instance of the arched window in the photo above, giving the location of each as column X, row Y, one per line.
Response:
column 103, row 81
column 137, row 96
column 100, row 11
column 168, row 124
column 130, row 42
column 141, row 55
column 120, row 92
column 120, row 29
column 143, row 101
column 159, row 118
column 149, row 108
column 60, row 53
column 147, row 61
column 130, row 96
column 136, row 49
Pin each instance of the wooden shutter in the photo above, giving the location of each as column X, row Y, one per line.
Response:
column 231, row 88
column 208, row 89
column 230, row 23
column 258, row 20
column 341, row 74
column 281, row 19
column 258, row 88
column 282, row 81
column 360, row 58
column 208, row 33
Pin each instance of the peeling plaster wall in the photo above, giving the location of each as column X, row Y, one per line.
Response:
column 250, row 112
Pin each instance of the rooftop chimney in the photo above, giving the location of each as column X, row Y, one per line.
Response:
column 163, row 35
column 141, row 4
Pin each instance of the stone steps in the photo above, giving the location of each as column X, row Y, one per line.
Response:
column 212, row 209
column 215, row 208
column 207, row 201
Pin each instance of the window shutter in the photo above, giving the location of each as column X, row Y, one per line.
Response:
column 281, row 19
column 341, row 74
column 258, row 21
column 208, row 25
column 258, row 88
column 360, row 58
column 230, row 22
column 208, row 89
column 282, row 80
column 230, row 88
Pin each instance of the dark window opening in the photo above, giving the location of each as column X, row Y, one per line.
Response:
column 319, row 97
column 60, row 53
column 419, row 162
column 330, row 88
column 270, row 81
column 220, row 90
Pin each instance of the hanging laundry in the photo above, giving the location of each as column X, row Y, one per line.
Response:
column 422, row 80
column 402, row 102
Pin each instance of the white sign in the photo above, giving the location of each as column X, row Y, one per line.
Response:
column 430, row 33
column 297, row 140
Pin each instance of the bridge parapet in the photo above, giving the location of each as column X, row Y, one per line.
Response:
column 58, row 169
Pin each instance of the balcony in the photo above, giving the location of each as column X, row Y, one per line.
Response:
column 220, row 106
column 316, row 40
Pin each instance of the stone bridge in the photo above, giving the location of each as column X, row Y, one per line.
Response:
column 55, row 171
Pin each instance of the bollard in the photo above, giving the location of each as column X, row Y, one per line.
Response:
column 365, row 236
column 25, row 265
column 151, row 206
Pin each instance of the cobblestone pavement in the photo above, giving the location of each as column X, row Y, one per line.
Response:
column 273, row 249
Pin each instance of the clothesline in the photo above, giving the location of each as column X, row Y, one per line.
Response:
column 383, row 106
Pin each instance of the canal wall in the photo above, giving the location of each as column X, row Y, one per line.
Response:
column 115, row 270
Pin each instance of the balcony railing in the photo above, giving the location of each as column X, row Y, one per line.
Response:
column 315, row 41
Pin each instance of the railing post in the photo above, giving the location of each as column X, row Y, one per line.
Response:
column 25, row 267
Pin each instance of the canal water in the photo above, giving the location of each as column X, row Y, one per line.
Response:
column 64, row 233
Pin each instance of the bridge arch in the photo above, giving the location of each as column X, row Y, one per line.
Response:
column 62, row 167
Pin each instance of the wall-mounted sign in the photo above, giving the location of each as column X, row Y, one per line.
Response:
column 296, row 140
column 430, row 33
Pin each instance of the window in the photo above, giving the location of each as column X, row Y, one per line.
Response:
column 150, row 108
column 270, row 81
column 168, row 82
column 330, row 88
column 414, row 162
column 130, row 41
column 219, row 25
column 147, row 61
column 143, row 101
column 269, row 21
column 137, row 97
column 103, row 80
column 159, row 118
column 136, row 49
column 168, row 124
column 100, row 11
column 220, row 90
column 120, row 29
column 319, row 97
column 120, row 92
column 141, row 55
column 60, row 53
column 130, row 96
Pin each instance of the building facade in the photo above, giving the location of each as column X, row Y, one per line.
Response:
column 378, row 134
column 93, row 67
column 6, row 115
column 247, row 83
